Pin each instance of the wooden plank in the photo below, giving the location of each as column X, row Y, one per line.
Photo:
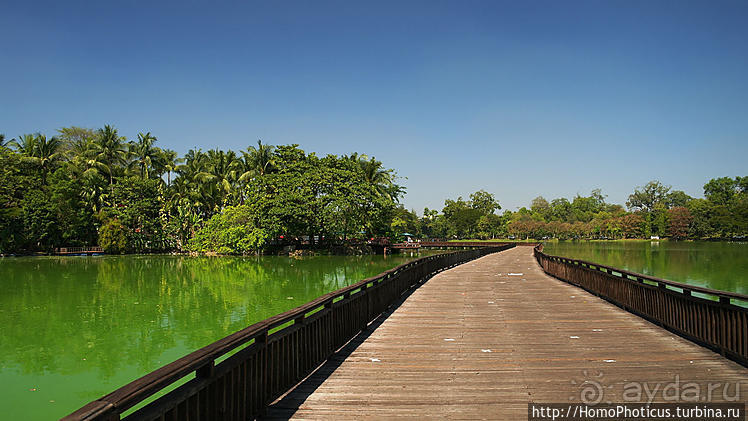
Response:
column 477, row 342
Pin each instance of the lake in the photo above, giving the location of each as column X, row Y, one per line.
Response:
column 75, row 328
column 716, row 265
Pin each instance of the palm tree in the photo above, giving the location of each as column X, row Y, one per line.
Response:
column 47, row 154
column 95, row 194
column 109, row 150
column 169, row 161
column 78, row 149
column 40, row 151
column 2, row 140
column 382, row 179
column 186, row 195
column 76, row 141
column 257, row 161
column 24, row 145
column 88, row 163
column 108, row 153
column 220, row 173
column 187, row 189
column 144, row 153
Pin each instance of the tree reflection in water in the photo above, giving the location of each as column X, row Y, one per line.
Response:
column 74, row 328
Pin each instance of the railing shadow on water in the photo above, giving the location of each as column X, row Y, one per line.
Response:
column 238, row 376
column 715, row 319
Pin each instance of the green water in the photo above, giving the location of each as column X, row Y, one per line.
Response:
column 73, row 329
column 716, row 265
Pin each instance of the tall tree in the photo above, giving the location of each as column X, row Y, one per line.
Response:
column 47, row 154
column 108, row 153
column 679, row 220
column 645, row 198
column 41, row 152
column 110, row 150
column 14, row 184
column 170, row 162
column 187, row 189
column 677, row 198
column 383, row 179
column 220, row 174
column 541, row 207
column 561, row 209
column 25, row 145
column 144, row 154
column 721, row 191
column 484, row 202
column 76, row 141
column 257, row 161
column 461, row 217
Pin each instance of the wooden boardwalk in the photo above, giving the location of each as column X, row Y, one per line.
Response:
column 481, row 340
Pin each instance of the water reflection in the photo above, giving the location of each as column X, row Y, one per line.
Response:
column 74, row 328
column 717, row 265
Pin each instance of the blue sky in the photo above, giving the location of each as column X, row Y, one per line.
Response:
column 518, row 98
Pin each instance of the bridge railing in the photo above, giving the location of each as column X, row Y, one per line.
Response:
column 70, row 250
column 236, row 377
column 464, row 243
column 413, row 245
column 713, row 318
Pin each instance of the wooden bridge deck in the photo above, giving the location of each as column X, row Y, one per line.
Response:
column 479, row 341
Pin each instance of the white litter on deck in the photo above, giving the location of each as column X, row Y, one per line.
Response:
column 597, row 330
column 609, row 361
column 485, row 350
column 490, row 302
column 449, row 339
column 515, row 274
column 574, row 337
column 375, row 360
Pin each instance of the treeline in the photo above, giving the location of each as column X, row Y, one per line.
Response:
column 86, row 187
column 653, row 210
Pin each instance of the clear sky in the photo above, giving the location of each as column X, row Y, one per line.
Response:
column 520, row 98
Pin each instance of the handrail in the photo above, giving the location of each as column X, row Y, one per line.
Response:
column 199, row 358
column 716, row 323
column 275, row 361
column 639, row 276
column 89, row 249
column 468, row 243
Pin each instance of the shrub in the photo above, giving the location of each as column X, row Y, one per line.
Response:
column 231, row 232
column 112, row 237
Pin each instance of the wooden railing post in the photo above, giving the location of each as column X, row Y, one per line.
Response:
column 261, row 342
column 206, row 371
column 367, row 305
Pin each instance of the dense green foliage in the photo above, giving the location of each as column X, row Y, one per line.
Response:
column 654, row 210
column 87, row 187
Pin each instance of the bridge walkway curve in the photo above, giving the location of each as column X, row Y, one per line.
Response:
column 482, row 340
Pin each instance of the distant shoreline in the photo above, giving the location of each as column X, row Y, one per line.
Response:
column 335, row 251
